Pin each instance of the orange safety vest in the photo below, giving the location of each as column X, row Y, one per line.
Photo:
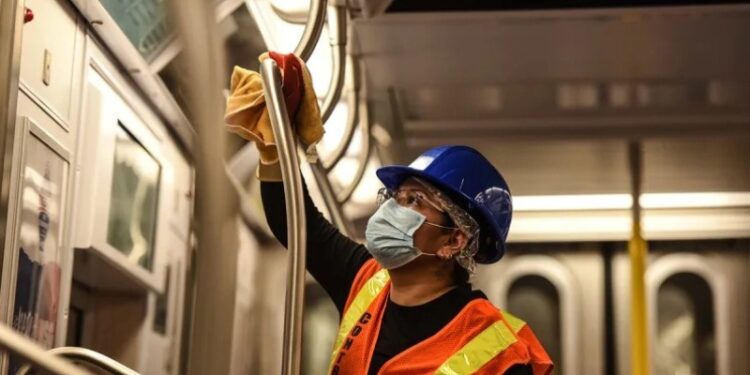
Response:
column 479, row 340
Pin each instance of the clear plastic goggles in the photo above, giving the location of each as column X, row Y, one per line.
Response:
column 408, row 198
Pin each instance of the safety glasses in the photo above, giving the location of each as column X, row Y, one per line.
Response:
column 412, row 198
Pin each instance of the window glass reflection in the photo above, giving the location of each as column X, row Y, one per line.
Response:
column 132, row 213
column 685, row 342
column 534, row 299
column 144, row 22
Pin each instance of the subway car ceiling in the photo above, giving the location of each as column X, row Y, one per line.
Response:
column 548, row 90
column 553, row 96
column 550, row 93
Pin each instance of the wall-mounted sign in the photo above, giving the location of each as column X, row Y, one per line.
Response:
column 39, row 232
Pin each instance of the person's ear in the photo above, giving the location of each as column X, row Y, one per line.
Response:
column 453, row 245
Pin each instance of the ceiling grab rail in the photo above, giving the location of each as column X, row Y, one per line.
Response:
column 28, row 350
column 290, row 16
column 330, row 198
column 352, row 119
column 337, row 28
column 313, row 28
column 362, row 160
column 338, row 41
column 295, row 214
column 303, row 50
column 88, row 356
column 337, row 34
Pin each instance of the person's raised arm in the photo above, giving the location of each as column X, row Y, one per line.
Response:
column 332, row 258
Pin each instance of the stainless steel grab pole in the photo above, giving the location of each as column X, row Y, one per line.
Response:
column 295, row 214
column 30, row 351
column 314, row 26
column 315, row 21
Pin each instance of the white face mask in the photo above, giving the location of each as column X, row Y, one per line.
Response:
column 390, row 235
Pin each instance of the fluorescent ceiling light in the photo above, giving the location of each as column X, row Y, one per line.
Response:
column 572, row 202
column 624, row 201
column 695, row 200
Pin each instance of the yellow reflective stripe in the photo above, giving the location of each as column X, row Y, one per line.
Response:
column 480, row 350
column 359, row 306
column 513, row 321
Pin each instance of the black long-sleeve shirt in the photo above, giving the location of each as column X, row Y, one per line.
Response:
column 334, row 260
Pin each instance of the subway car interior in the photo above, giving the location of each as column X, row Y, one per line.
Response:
column 135, row 238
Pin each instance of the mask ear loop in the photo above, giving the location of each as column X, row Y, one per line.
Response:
column 442, row 257
column 439, row 226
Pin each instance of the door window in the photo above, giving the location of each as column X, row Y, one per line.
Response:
column 685, row 342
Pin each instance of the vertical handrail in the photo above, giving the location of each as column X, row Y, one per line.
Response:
column 295, row 214
column 24, row 348
column 338, row 41
column 638, row 251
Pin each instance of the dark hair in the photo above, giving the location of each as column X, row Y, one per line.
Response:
column 460, row 274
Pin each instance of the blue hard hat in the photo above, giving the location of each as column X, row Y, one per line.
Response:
column 471, row 181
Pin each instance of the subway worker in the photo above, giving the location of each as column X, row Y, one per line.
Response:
column 404, row 298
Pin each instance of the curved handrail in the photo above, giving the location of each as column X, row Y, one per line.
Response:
column 93, row 357
column 295, row 211
column 313, row 28
column 364, row 157
column 28, row 350
column 337, row 30
column 291, row 17
column 351, row 120
column 329, row 197
column 89, row 356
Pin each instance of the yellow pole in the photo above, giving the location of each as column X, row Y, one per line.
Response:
column 638, row 254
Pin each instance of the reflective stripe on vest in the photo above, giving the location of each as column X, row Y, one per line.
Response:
column 359, row 306
column 514, row 323
column 480, row 350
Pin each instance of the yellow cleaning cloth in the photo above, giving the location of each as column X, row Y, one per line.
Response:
column 246, row 113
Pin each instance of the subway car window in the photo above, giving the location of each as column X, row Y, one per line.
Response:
column 135, row 186
column 144, row 22
column 686, row 336
column 537, row 300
